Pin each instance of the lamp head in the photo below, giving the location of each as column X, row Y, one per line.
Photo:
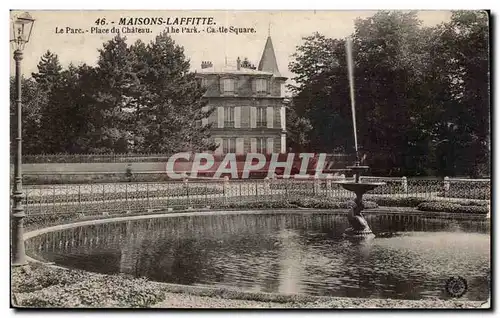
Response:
column 22, row 25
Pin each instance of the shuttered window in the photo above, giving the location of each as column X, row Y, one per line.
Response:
column 261, row 145
column 229, row 145
column 261, row 117
column 261, row 86
column 229, row 117
column 228, row 84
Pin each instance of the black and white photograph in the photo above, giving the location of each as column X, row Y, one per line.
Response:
column 265, row 159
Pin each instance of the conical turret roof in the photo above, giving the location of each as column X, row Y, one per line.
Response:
column 268, row 60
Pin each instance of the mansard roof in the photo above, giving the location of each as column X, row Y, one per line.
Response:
column 232, row 70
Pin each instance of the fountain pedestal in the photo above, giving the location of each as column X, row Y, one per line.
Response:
column 359, row 227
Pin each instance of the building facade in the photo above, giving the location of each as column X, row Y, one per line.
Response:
column 249, row 112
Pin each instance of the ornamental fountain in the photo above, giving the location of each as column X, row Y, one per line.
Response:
column 359, row 227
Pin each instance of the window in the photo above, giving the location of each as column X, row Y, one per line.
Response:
column 204, row 82
column 261, row 117
column 228, row 85
column 261, row 86
column 229, row 117
column 229, row 145
column 261, row 145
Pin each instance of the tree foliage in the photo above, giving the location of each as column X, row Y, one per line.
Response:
column 421, row 93
column 138, row 98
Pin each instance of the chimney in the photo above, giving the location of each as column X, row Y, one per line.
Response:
column 238, row 63
column 206, row 64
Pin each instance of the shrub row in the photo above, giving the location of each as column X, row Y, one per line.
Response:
column 397, row 201
column 453, row 207
column 326, row 203
column 477, row 193
column 415, row 201
column 139, row 194
column 313, row 203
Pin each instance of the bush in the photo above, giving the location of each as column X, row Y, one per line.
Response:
column 476, row 203
column 475, row 193
column 38, row 276
column 326, row 203
column 279, row 204
column 97, row 291
column 398, row 201
column 130, row 195
column 453, row 208
column 42, row 220
column 415, row 201
column 388, row 188
column 39, row 285
column 128, row 173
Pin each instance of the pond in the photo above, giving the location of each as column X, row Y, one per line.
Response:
column 289, row 253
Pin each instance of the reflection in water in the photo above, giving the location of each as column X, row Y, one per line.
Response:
column 296, row 253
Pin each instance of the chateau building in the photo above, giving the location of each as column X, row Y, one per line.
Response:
column 249, row 112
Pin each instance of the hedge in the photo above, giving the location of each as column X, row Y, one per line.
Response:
column 101, row 196
column 326, row 203
column 397, row 201
column 478, row 193
column 453, row 208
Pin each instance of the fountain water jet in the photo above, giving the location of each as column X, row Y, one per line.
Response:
column 359, row 227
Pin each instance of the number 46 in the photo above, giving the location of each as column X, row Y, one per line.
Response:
column 100, row 21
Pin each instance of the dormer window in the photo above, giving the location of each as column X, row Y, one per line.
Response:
column 261, row 86
column 228, row 85
column 204, row 82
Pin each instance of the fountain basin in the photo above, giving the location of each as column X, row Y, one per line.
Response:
column 361, row 187
column 358, row 168
column 285, row 252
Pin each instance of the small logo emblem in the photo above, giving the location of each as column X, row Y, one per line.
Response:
column 456, row 286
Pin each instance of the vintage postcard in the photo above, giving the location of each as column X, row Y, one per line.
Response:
column 250, row 159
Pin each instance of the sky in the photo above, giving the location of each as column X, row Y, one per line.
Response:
column 287, row 28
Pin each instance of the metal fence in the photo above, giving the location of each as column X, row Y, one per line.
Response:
column 122, row 197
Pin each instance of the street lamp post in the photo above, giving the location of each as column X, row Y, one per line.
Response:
column 21, row 33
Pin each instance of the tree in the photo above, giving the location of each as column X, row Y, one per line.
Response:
column 33, row 99
column 138, row 98
column 298, row 129
column 36, row 103
column 321, row 93
column 71, row 127
column 49, row 70
column 115, row 99
column 173, row 107
column 421, row 93
column 466, row 38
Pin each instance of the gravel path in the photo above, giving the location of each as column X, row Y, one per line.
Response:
column 181, row 300
column 191, row 301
